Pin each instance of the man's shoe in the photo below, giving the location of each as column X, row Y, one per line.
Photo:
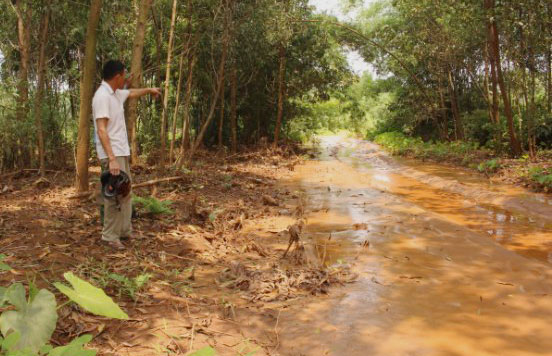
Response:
column 115, row 244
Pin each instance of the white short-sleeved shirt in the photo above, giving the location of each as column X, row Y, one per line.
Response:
column 109, row 104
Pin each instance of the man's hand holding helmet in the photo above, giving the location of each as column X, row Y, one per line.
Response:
column 114, row 167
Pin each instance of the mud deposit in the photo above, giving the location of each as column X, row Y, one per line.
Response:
column 441, row 271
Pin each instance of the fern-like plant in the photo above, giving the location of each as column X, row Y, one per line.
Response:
column 154, row 206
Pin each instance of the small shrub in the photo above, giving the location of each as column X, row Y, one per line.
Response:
column 154, row 206
column 131, row 286
column 490, row 166
column 541, row 176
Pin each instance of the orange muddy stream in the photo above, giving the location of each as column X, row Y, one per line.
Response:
column 439, row 272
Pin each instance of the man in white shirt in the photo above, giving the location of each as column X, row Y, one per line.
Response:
column 112, row 145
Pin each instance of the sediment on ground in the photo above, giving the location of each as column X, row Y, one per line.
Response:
column 212, row 261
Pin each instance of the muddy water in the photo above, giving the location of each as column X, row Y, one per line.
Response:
column 439, row 273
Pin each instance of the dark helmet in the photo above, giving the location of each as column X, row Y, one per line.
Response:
column 113, row 186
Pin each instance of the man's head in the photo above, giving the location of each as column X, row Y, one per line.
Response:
column 114, row 73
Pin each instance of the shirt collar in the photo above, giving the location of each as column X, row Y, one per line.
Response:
column 108, row 87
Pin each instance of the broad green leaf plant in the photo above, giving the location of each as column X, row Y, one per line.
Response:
column 29, row 324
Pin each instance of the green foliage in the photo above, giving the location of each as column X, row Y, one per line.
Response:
column 154, row 206
column 74, row 348
column 206, row 351
column 490, row 166
column 400, row 144
column 34, row 320
column 90, row 298
column 131, row 286
column 541, row 176
column 29, row 326
column 3, row 266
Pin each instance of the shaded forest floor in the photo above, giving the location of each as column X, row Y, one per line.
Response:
column 211, row 273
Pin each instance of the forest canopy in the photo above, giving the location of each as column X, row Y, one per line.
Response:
column 233, row 72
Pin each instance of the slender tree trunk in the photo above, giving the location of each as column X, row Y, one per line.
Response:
column 233, row 107
column 187, row 103
column 23, row 11
column 136, row 73
column 211, row 114
column 41, row 68
column 176, row 105
column 494, row 47
column 86, row 93
column 494, row 90
column 281, row 93
column 458, row 127
column 185, row 144
column 218, row 86
column 221, row 117
column 532, row 108
column 549, row 78
column 443, row 126
column 167, row 88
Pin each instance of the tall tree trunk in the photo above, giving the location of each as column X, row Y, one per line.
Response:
column 23, row 11
column 281, row 93
column 185, row 144
column 532, row 108
column 219, row 82
column 493, row 115
column 136, row 73
column 221, row 117
column 167, row 88
column 494, row 90
column 494, row 46
column 458, row 126
column 549, row 79
column 233, row 107
column 443, row 126
column 176, row 105
column 86, row 93
column 41, row 68
column 187, row 103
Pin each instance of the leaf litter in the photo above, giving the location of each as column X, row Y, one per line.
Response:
column 207, row 249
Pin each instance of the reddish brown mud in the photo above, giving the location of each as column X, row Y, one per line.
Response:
column 440, row 273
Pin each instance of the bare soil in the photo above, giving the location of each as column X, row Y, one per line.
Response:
column 217, row 276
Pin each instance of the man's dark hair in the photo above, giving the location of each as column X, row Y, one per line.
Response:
column 111, row 68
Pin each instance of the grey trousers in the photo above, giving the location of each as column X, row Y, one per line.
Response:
column 117, row 214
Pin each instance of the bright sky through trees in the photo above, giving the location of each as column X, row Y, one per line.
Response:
column 333, row 7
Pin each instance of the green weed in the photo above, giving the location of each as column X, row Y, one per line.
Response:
column 490, row 166
column 131, row 286
column 541, row 176
column 154, row 206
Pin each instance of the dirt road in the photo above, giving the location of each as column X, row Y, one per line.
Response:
column 440, row 272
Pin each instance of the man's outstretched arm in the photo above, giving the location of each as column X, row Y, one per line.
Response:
column 137, row 93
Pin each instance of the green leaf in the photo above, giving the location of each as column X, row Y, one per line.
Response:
column 33, row 291
column 3, row 266
column 45, row 349
column 206, row 351
column 3, row 298
column 10, row 341
column 92, row 299
column 141, row 280
column 15, row 295
column 35, row 321
column 74, row 348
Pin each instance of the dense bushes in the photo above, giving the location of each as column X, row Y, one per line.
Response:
column 399, row 144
